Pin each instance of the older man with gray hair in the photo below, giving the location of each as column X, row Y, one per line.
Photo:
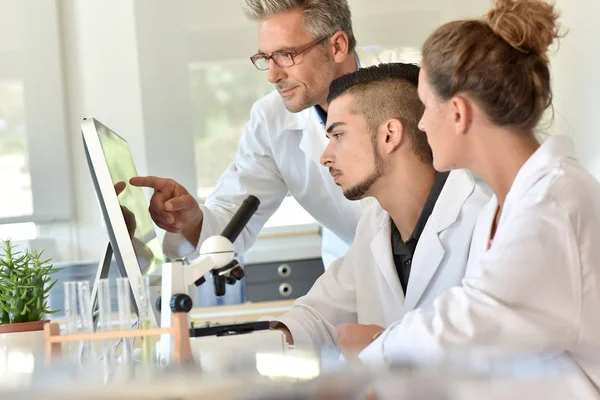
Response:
column 303, row 45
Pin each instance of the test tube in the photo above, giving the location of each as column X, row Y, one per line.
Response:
column 104, row 316
column 124, row 298
column 85, row 316
column 145, row 312
column 70, row 308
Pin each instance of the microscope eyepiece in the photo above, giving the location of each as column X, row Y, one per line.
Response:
column 219, row 281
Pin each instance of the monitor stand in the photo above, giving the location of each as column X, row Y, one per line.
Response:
column 102, row 273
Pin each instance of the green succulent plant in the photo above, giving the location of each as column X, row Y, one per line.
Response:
column 25, row 284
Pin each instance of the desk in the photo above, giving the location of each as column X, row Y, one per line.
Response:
column 239, row 312
column 246, row 312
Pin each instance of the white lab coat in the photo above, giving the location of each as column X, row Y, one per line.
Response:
column 279, row 153
column 536, row 290
column 364, row 287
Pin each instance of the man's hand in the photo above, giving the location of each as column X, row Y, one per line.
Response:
column 127, row 215
column 172, row 207
column 353, row 338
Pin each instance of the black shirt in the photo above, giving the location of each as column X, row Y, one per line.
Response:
column 322, row 114
column 403, row 251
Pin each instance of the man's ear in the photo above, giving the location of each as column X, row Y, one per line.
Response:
column 462, row 114
column 339, row 44
column 392, row 133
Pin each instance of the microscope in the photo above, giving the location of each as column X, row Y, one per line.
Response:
column 217, row 255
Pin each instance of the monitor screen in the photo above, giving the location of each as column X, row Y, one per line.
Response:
column 133, row 204
column 133, row 238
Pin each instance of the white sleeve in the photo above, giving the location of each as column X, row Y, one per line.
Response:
column 330, row 302
column 253, row 172
column 525, row 298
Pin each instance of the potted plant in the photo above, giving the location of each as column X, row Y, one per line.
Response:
column 25, row 283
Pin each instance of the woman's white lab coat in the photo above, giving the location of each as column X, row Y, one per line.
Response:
column 364, row 287
column 536, row 290
column 278, row 153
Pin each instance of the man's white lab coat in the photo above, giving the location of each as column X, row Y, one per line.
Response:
column 364, row 287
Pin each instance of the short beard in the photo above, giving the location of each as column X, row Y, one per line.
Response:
column 359, row 190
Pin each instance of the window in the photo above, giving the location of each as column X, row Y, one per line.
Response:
column 33, row 151
column 223, row 87
column 13, row 152
column 222, row 95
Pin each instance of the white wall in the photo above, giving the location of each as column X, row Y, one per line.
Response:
column 389, row 23
column 102, row 75
column 164, row 78
column 576, row 71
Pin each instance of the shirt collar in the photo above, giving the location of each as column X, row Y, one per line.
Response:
column 547, row 157
column 321, row 114
column 434, row 194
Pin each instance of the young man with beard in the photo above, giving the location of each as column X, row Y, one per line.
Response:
column 413, row 243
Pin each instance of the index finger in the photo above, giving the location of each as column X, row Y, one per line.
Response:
column 153, row 182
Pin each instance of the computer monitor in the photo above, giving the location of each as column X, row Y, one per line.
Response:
column 131, row 232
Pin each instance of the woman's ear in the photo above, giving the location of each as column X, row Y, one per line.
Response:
column 462, row 114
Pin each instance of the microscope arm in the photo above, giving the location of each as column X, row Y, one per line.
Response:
column 217, row 254
column 194, row 272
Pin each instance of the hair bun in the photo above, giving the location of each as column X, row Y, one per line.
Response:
column 529, row 26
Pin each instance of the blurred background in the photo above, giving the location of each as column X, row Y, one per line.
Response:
column 175, row 80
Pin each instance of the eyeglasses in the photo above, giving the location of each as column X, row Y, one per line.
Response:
column 282, row 59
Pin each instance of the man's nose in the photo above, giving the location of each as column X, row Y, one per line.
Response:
column 276, row 73
column 327, row 156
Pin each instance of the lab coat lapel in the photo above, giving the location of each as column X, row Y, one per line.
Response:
column 430, row 251
column 314, row 141
column 426, row 261
column 381, row 246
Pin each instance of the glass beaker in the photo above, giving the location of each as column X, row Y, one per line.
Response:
column 84, row 309
column 145, row 315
